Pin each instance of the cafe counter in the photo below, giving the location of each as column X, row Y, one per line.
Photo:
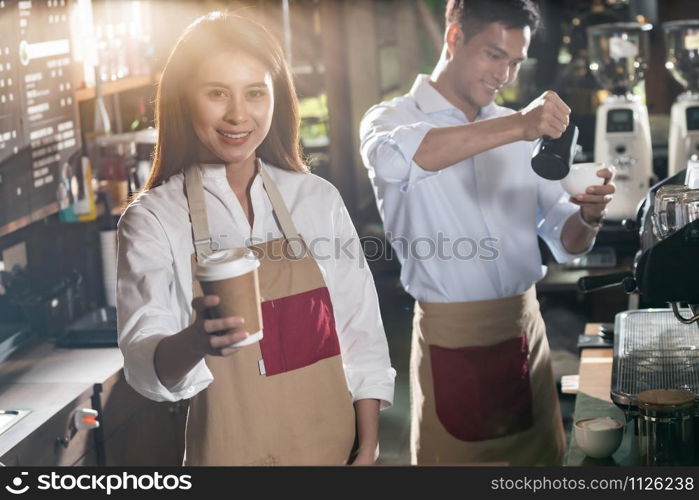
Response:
column 56, row 392
column 594, row 400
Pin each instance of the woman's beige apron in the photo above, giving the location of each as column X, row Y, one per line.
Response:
column 284, row 400
column 482, row 389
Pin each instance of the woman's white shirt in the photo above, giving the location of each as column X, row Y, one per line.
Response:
column 154, row 278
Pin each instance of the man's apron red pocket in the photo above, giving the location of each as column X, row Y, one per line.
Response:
column 483, row 392
column 299, row 330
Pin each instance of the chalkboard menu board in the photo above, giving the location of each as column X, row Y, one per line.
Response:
column 39, row 136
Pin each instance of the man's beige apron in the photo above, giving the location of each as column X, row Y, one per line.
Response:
column 284, row 400
column 482, row 389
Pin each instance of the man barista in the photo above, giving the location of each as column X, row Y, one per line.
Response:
column 452, row 175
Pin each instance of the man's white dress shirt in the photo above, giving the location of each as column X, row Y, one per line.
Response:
column 467, row 232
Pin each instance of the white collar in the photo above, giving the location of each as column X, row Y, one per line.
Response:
column 218, row 170
column 430, row 100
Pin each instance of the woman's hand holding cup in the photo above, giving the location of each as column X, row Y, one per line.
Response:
column 204, row 338
column 231, row 289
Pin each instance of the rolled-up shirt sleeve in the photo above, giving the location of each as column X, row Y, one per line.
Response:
column 146, row 311
column 554, row 209
column 363, row 344
column 389, row 143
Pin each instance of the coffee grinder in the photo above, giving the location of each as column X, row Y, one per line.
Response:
column 682, row 60
column 618, row 58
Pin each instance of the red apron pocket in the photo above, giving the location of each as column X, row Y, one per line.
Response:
column 483, row 392
column 299, row 330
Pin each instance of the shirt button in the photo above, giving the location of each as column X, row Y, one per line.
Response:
column 191, row 389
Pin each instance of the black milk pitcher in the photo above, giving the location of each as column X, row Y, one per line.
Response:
column 555, row 156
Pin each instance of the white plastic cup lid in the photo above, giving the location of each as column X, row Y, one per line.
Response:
column 225, row 264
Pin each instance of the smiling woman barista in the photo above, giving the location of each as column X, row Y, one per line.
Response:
column 228, row 148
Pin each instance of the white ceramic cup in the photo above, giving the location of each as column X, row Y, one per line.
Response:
column 581, row 176
column 598, row 437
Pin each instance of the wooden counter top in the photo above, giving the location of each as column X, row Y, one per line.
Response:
column 594, row 400
column 596, row 369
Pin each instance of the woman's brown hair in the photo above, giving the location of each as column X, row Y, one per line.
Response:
column 215, row 32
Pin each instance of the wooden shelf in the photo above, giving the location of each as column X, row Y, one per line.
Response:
column 128, row 83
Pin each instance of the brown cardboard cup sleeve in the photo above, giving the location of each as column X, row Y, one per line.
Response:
column 233, row 276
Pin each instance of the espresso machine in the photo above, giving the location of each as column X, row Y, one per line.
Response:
column 619, row 53
column 682, row 60
column 656, row 350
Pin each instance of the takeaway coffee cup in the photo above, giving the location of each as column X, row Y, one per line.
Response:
column 232, row 275
column 581, row 176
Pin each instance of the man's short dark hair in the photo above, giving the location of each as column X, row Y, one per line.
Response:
column 473, row 15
